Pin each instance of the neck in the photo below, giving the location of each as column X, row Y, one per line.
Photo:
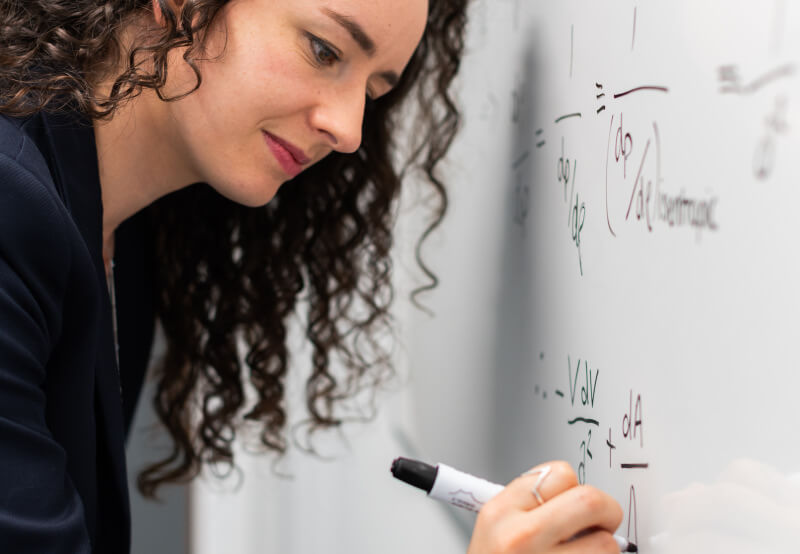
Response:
column 137, row 160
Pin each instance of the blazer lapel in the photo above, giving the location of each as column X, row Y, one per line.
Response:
column 74, row 158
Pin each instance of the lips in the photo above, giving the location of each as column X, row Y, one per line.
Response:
column 290, row 157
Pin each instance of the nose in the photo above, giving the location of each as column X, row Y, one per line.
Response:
column 339, row 115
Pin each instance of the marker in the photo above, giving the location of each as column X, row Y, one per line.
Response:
column 460, row 489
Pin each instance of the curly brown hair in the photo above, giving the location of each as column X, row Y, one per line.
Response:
column 235, row 274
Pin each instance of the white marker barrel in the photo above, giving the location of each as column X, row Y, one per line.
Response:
column 462, row 489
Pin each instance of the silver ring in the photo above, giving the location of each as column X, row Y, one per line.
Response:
column 543, row 472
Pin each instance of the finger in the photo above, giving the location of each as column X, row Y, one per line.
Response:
column 600, row 542
column 538, row 485
column 573, row 511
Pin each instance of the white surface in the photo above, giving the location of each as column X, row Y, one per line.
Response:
column 349, row 503
column 697, row 325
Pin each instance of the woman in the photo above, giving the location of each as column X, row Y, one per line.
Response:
column 143, row 145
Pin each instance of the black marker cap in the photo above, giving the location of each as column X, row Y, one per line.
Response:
column 414, row 472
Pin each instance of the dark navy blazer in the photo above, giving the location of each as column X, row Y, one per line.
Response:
column 64, row 405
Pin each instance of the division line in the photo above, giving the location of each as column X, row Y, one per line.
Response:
column 518, row 162
column 563, row 117
column 784, row 71
column 634, row 466
column 584, row 420
column 637, row 89
column 636, row 182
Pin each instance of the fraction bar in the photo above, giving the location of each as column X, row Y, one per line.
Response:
column 584, row 420
column 634, row 466
column 563, row 117
column 637, row 89
column 785, row 71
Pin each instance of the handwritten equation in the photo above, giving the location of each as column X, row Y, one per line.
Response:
column 632, row 192
column 620, row 440
column 655, row 155
column 775, row 123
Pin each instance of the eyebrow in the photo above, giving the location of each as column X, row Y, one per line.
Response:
column 363, row 40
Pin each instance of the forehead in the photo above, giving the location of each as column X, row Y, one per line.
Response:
column 391, row 24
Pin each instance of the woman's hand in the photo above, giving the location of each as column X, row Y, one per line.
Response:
column 515, row 522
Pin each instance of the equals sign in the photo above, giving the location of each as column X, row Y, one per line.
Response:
column 541, row 142
column 600, row 95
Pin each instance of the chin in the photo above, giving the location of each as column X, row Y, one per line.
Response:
column 252, row 195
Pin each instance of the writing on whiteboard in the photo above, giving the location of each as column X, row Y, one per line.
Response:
column 775, row 123
column 576, row 213
column 633, row 163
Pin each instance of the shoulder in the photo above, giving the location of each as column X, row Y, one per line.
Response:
column 17, row 149
column 10, row 133
column 34, row 229
column 16, row 145
column 25, row 179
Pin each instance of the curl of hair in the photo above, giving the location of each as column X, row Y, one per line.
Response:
column 231, row 275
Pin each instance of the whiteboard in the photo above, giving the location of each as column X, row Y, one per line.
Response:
column 620, row 267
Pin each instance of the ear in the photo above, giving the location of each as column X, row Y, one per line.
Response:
column 175, row 5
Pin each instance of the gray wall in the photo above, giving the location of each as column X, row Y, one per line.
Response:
column 159, row 527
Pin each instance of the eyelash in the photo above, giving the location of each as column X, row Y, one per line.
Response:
column 320, row 46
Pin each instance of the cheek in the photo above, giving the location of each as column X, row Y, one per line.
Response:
column 241, row 93
column 260, row 69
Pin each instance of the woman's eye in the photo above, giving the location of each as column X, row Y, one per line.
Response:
column 323, row 54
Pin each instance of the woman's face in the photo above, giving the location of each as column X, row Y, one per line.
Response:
column 284, row 84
